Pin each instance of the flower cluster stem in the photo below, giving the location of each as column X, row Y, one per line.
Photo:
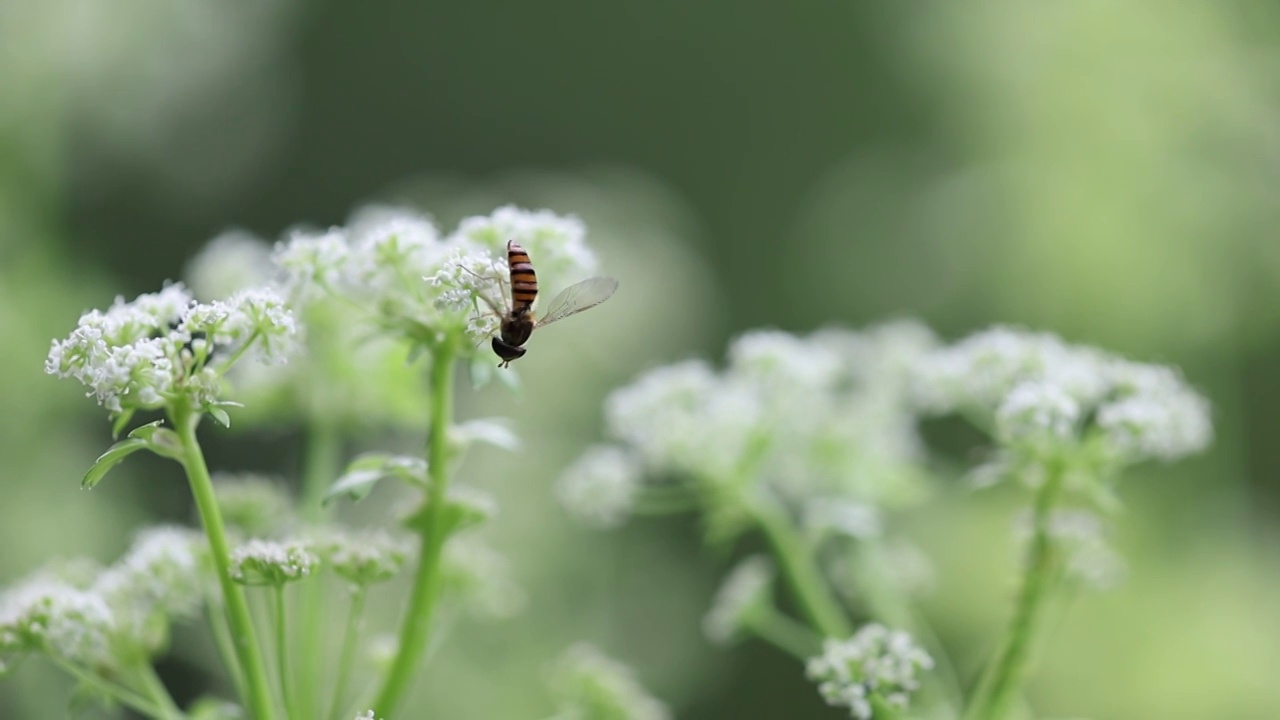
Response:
column 348, row 649
column 998, row 690
column 784, row 633
column 120, row 694
column 287, row 691
column 416, row 627
column 158, row 693
column 244, row 641
column 802, row 574
column 320, row 469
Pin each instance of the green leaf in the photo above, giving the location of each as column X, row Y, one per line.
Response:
column 110, row 459
column 121, row 420
column 145, row 432
column 220, row 415
column 485, row 430
column 356, row 485
column 371, row 468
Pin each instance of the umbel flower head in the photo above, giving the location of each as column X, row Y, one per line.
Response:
column 164, row 347
column 423, row 286
column 102, row 619
column 877, row 666
column 270, row 562
column 592, row 686
column 790, row 417
column 1040, row 395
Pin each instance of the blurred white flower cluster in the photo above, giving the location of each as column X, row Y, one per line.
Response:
column 1035, row 392
column 364, row 289
column 825, row 417
column 746, row 592
column 106, row 619
column 164, row 347
column 876, row 665
column 592, row 686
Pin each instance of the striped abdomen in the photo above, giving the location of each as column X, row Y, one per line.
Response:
column 524, row 282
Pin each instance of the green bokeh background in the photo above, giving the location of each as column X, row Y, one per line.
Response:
column 1108, row 171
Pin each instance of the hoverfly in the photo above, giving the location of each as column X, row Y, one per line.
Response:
column 517, row 319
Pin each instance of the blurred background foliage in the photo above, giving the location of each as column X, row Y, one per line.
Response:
column 1104, row 170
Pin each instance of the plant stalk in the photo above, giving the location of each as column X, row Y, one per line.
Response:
column 245, row 642
column 802, row 574
column 416, row 627
column 348, row 649
column 1002, row 680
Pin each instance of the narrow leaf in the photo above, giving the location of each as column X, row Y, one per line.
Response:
column 486, row 430
column 220, row 415
column 145, row 432
column 121, row 421
column 356, row 485
column 110, row 459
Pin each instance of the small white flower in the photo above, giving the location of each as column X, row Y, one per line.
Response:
column 147, row 353
column 363, row 558
column 743, row 593
column 160, row 580
column 1155, row 415
column 269, row 562
column 600, row 487
column 556, row 243
column 591, row 686
column 312, row 263
column 875, row 661
column 1040, row 390
column 683, row 418
column 47, row 614
column 1037, row 412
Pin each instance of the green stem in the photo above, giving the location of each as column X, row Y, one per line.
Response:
column 119, row 693
column 348, row 650
column 784, row 633
column 245, row 642
column 282, row 653
column 320, row 468
column 998, row 690
column 222, row 639
column 415, row 630
column 805, row 579
column 158, row 693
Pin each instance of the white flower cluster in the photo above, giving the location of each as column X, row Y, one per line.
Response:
column 254, row 505
column 363, row 558
column 162, row 346
column 419, row 283
column 48, row 614
column 1039, row 392
column 824, row 415
column 388, row 275
column 97, row 618
column 272, row 562
column 600, row 487
column 876, row 663
column 162, row 577
column 744, row 592
column 592, row 686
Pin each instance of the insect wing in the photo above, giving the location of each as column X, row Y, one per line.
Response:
column 578, row 297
